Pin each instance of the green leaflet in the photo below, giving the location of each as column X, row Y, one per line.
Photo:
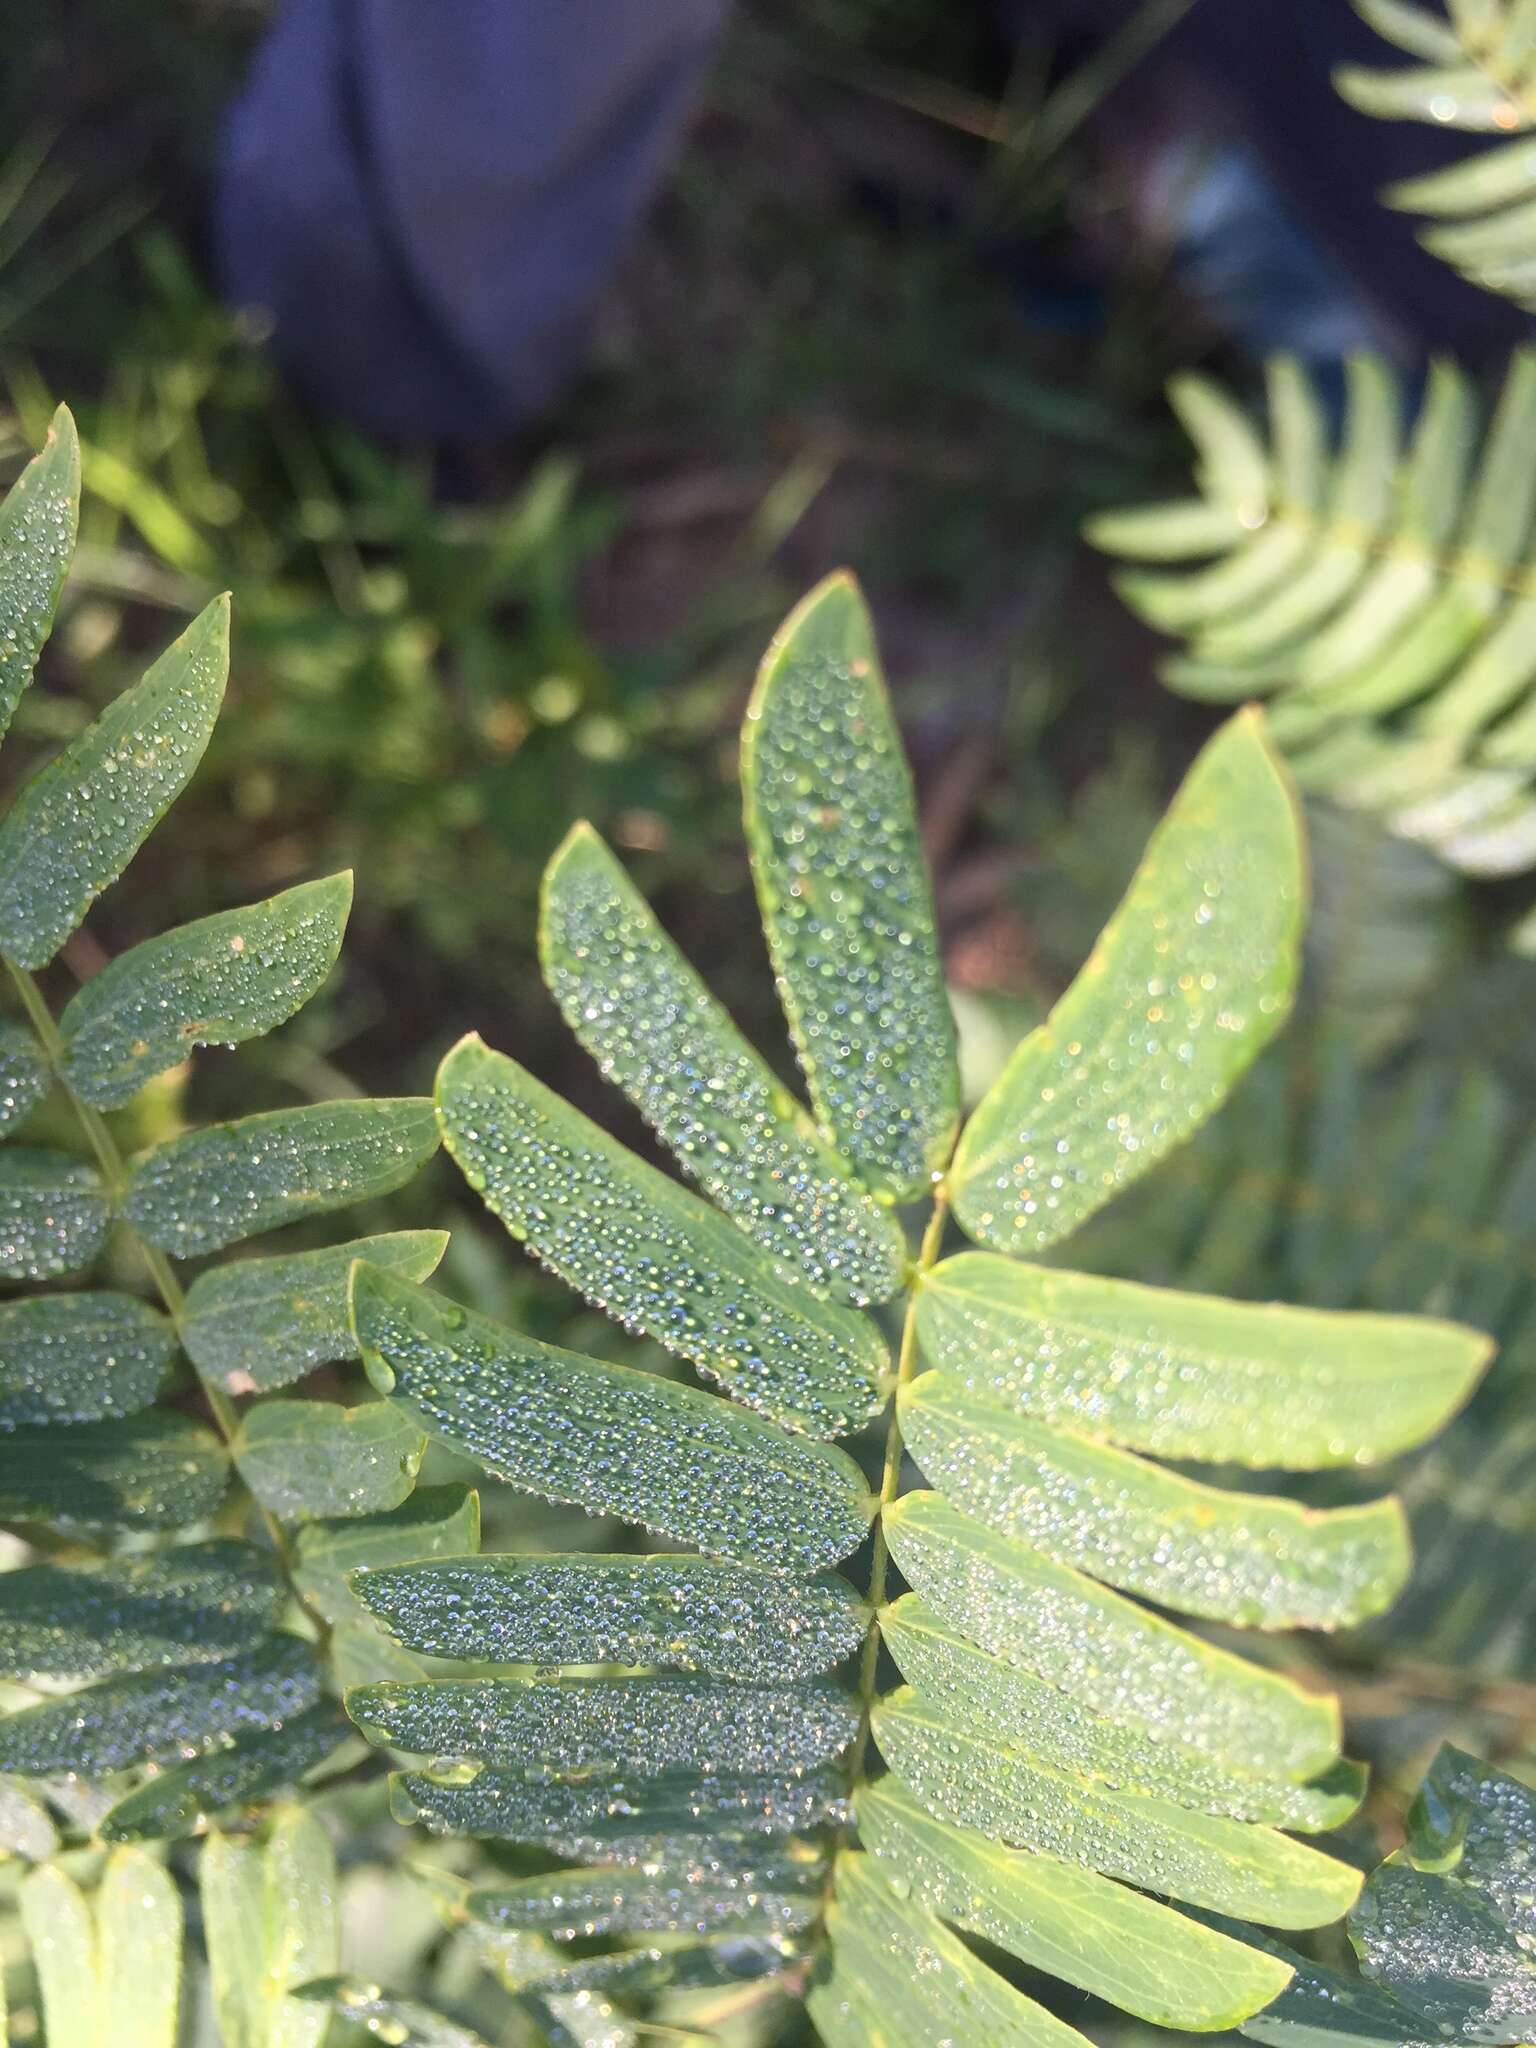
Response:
column 157, row 1716
column 1088, row 1930
column 1207, row 1860
column 80, row 1357
column 609, row 1725
column 26, row 1829
column 272, row 1923
column 54, row 1214
column 1448, row 1922
column 1191, row 977
column 220, row 981
column 652, row 1254
column 315, row 1458
column 194, row 1604
column 1017, row 1708
column 37, row 541
column 617, row 1442
column 24, row 1079
column 689, row 1613
column 159, row 1470
column 906, row 1980
column 646, row 1818
column 1247, row 1558
column 257, row 1324
column 765, row 1897
column 1114, row 1657
column 437, row 1521
column 654, row 1028
column 179, row 1802
column 1191, row 1376
column 404, row 2022
column 213, row 1186
column 109, row 1967
column 844, row 894
column 82, row 818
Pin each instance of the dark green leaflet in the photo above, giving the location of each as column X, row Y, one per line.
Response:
column 155, row 1716
column 180, row 1801
column 655, row 1029
column 637, row 1724
column 194, row 1604
column 403, row 2022
column 315, row 1458
column 80, row 1357
column 24, row 1078
column 225, row 1182
column 652, row 1254
column 437, row 1521
column 844, row 894
column 764, row 1897
column 221, row 981
column 37, row 540
column 54, row 1213
column 689, row 1613
column 617, row 1442
column 82, row 818
column 642, row 1814
column 257, row 1324
column 159, row 1470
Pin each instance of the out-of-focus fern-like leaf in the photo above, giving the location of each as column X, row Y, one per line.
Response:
column 1378, row 598
column 1061, row 1752
column 1475, row 71
column 406, row 2022
column 221, row 981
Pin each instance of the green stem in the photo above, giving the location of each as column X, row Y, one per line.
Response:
column 890, row 1487
column 114, row 1173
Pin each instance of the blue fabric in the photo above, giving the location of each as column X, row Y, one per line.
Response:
column 423, row 198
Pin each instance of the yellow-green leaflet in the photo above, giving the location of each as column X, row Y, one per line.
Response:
column 37, row 539
column 1088, row 1930
column 316, row 1458
column 1253, row 1559
column 220, row 981
column 271, row 1919
column 1192, row 1376
column 844, row 894
column 655, row 1030
column 82, row 818
column 651, row 1253
column 1206, row 1859
column 108, row 1964
column 678, row 1460
column 899, row 1976
column 1113, row 1656
column 975, row 1687
column 1191, row 977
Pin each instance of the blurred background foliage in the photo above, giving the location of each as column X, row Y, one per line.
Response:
column 895, row 308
